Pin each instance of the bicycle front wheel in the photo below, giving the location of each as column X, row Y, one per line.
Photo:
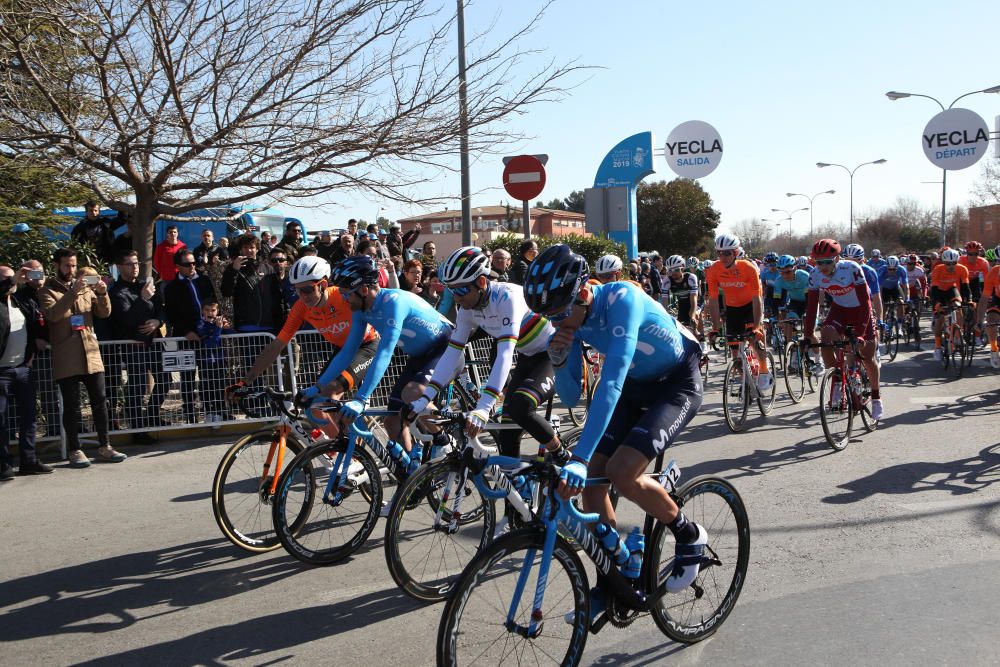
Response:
column 765, row 400
column 735, row 397
column 425, row 552
column 794, row 372
column 698, row 611
column 865, row 409
column 474, row 628
column 241, row 491
column 892, row 339
column 835, row 411
column 578, row 414
column 957, row 351
column 339, row 523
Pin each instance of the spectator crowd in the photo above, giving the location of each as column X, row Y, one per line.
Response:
column 195, row 297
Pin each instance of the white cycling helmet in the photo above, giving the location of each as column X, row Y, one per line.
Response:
column 855, row 252
column 727, row 242
column 463, row 266
column 876, row 253
column 675, row 262
column 950, row 255
column 707, row 264
column 892, row 261
column 309, row 269
column 803, row 261
column 692, row 262
column 607, row 264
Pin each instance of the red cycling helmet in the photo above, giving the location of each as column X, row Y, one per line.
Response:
column 974, row 246
column 825, row 249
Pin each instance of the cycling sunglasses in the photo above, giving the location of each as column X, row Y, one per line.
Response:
column 825, row 262
column 463, row 290
column 556, row 318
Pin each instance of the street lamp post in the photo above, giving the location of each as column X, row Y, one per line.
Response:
column 796, row 194
column 896, row 95
column 850, row 173
column 789, row 218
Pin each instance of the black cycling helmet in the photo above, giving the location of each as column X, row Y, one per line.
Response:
column 355, row 271
column 554, row 278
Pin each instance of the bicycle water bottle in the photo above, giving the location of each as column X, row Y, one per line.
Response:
column 466, row 381
column 416, row 456
column 523, row 487
column 855, row 381
column 612, row 542
column 636, row 544
column 397, row 452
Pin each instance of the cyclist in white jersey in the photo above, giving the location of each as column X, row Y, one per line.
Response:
column 498, row 309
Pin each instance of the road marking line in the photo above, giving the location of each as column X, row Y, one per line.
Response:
column 934, row 399
column 954, row 503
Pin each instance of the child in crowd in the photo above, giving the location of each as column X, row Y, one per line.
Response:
column 212, row 362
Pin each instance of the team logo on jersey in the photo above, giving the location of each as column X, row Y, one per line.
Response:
column 617, row 294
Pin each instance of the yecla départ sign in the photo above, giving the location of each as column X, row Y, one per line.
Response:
column 693, row 149
column 956, row 139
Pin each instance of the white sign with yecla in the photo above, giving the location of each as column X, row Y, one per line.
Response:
column 693, row 149
column 956, row 139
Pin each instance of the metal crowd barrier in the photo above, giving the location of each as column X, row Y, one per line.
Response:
column 179, row 384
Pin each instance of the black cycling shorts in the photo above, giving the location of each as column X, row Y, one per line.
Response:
column 532, row 383
column 684, row 311
column 797, row 308
column 944, row 297
column 739, row 319
column 890, row 294
column 354, row 374
column 650, row 415
column 419, row 370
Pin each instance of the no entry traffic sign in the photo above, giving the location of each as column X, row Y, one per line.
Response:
column 524, row 177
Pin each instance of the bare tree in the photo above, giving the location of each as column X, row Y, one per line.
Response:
column 754, row 234
column 191, row 104
column 986, row 189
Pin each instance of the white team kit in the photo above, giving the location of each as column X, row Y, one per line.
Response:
column 841, row 284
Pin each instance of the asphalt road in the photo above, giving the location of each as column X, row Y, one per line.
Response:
column 887, row 553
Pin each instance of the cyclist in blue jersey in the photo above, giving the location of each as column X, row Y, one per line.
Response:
column 876, row 262
column 894, row 284
column 790, row 289
column 650, row 389
column 768, row 274
column 403, row 320
column 856, row 253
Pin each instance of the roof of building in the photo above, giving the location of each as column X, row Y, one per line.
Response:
column 490, row 212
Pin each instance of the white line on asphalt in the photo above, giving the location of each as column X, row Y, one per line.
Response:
column 954, row 503
column 927, row 400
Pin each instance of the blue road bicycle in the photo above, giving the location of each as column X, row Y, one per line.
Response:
column 526, row 596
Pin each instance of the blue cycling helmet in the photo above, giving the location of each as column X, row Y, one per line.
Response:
column 554, row 278
column 786, row 262
column 803, row 261
column 854, row 252
column 20, row 228
column 355, row 271
column 770, row 257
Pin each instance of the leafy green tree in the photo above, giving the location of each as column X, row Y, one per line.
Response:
column 675, row 217
column 556, row 204
column 574, row 202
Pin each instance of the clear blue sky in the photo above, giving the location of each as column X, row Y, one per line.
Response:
column 787, row 84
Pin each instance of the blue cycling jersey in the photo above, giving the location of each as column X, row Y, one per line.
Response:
column 871, row 277
column 638, row 339
column 875, row 262
column 794, row 289
column 401, row 318
column 892, row 279
column 768, row 276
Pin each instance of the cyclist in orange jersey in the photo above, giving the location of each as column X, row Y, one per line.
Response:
column 740, row 280
column 949, row 284
column 989, row 304
column 977, row 265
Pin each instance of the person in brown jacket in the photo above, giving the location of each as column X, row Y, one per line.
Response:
column 69, row 304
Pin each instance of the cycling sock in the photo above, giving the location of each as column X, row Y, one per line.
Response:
column 937, row 342
column 993, row 345
column 684, row 531
column 876, row 395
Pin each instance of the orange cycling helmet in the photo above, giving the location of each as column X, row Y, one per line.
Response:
column 825, row 249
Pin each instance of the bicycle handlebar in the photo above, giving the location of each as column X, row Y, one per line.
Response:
column 279, row 399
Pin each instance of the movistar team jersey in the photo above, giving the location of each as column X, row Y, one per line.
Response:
column 505, row 317
column 638, row 339
column 876, row 263
column 892, row 279
column 768, row 275
column 794, row 289
column 401, row 318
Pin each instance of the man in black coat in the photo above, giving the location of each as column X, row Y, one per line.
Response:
column 136, row 315
column 208, row 252
column 182, row 298
column 97, row 230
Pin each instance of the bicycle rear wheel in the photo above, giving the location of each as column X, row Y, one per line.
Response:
column 957, row 352
column 865, row 408
column 892, row 339
column 735, row 397
column 835, row 411
column 425, row 559
column 241, row 492
column 794, row 372
column 698, row 611
column 765, row 400
column 474, row 627
column 337, row 526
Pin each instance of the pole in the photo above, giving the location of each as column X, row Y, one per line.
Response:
column 852, row 206
column 810, row 218
column 526, row 220
column 463, row 123
column 944, row 189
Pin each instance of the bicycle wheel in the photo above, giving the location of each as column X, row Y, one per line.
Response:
column 578, row 413
column 957, row 352
column 698, row 611
column 241, row 493
column 474, row 627
column 337, row 526
column 835, row 412
column 795, row 372
column 865, row 408
column 735, row 397
column 703, row 365
column 425, row 559
column 892, row 339
column 765, row 400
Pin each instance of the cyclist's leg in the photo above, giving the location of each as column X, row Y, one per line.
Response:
column 738, row 320
column 531, row 384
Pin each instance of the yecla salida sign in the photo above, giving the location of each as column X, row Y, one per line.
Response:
column 693, row 149
column 955, row 139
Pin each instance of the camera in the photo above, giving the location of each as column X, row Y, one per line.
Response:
column 35, row 274
column 91, row 280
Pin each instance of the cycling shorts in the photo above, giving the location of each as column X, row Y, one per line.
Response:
column 419, row 370
column 739, row 319
column 354, row 374
column 944, row 297
column 650, row 415
column 860, row 318
column 976, row 288
column 994, row 305
column 795, row 309
column 915, row 292
column 684, row 312
column 890, row 294
column 532, row 383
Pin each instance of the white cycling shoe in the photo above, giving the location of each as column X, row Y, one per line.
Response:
column 876, row 409
column 937, row 354
column 687, row 562
column 995, row 359
column 765, row 381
